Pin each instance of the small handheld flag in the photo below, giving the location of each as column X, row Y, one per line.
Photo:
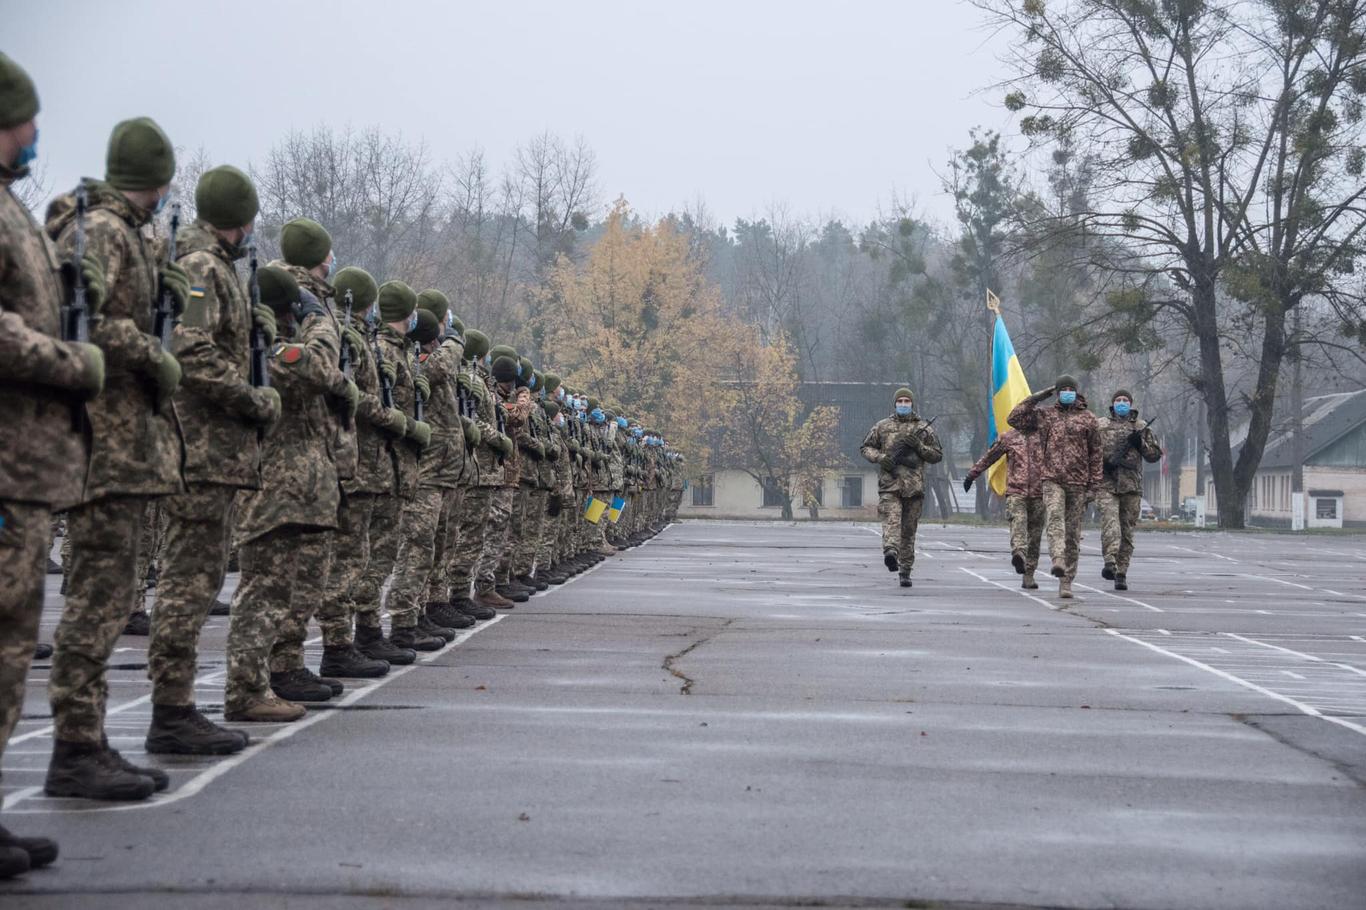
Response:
column 593, row 509
column 1008, row 388
column 618, row 506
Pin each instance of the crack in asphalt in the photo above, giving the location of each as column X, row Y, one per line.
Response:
column 671, row 660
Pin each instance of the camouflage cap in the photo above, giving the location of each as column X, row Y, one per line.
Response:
column 396, row 301
column 427, row 330
column 18, row 97
column 279, row 290
column 140, row 156
column 476, row 344
column 305, row 243
column 434, row 302
column 360, row 283
column 226, row 198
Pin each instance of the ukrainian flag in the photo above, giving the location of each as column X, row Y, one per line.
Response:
column 1008, row 388
column 618, row 506
column 593, row 509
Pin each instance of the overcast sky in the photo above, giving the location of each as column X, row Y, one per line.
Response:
column 830, row 108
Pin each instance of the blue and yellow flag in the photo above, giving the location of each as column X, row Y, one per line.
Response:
column 593, row 509
column 616, row 508
column 1008, row 388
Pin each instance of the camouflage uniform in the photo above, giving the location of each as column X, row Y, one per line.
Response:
column 224, row 418
column 495, row 548
column 1024, row 491
column 45, row 457
column 278, row 527
column 135, row 457
column 477, row 511
column 537, row 476
column 901, row 447
column 1121, row 487
column 1069, row 445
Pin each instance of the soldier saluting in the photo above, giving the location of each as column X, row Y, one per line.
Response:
column 901, row 445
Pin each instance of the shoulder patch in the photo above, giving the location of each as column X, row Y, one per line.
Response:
column 196, row 292
column 422, row 358
column 291, row 353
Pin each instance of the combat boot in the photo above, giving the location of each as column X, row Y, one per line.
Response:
column 556, row 577
column 82, row 770
column 334, row 684
column 607, row 550
column 426, row 625
column 1065, row 588
column 534, row 583
column 1028, row 582
column 42, row 651
column 220, row 608
column 493, row 600
column 267, row 709
column 448, row 617
column 348, row 663
column 295, row 685
column 1059, row 570
column 182, row 730
column 371, row 642
column 139, row 623
column 905, row 581
column 1108, row 572
column 42, row 851
column 415, row 638
column 516, row 595
column 889, row 559
column 1121, row 581
column 473, row 610
column 13, row 861
column 1017, row 560
column 160, row 779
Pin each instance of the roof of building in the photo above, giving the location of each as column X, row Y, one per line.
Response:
column 1327, row 419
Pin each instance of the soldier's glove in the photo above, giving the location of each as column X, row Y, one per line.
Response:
column 351, row 395
column 91, row 383
column 503, row 443
column 1136, row 439
column 165, row 372
column 967, row 483
column 307, row 305
column 176, row 282
column 387, row 371
column 92, row 274
column 423, row 386
column 263, row 318
column 887, row 462
column 536, row 449
column 554, row 506
column 421, row 433
column 463, row 381
column 265, row 406
column 395, row 423
column 552, row 453
column 354, row 340
column 473, row 435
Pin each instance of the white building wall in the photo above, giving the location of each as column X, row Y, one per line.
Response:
column 738, row 495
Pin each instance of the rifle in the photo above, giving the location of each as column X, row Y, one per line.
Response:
column 1136, row 437
column 465, row 402
column 386, row 385
column 260, row 374
column 500, row 414
column 419, row 408
column 163, row 312
column 346, row 366
column 899, row 452
column 76, row 312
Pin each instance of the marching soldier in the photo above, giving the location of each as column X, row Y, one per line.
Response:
column 1024, row 497
column 1125, row 443
column 901, row 445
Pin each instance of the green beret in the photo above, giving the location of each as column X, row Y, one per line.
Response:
column 279, row 290
column 550, row 406
column 476, row 344
column 458, row 324
column 903, row 392
column 428, row 329
column 305, row 243
column 361, row 285
column 503, row 350
column 1065, row 382
column 593, row 404
column 140, row 156
column 226, row 198
column 552, row 382
column 504, row 369
column 396, row 301
column 434, row 302
column 18, row 97
column 528, row 368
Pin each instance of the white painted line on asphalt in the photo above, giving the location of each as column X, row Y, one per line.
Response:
column 1203, row 553
column 1341, row 594
column 285, row 731
column 1292, row 674
column 1019, row 591
column 1121, row 597
column 1163, row 632
column 1301, row 706
column 1310, row 657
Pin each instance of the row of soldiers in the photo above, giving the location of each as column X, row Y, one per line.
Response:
column 346, row 437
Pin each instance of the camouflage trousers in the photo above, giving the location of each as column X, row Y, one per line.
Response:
column 350, row 556
column 272, row 565
column 24, row 530
column 447, row 539
column 462, row 560
column 1026, row 514
column 527, row 531
column 198, row 533
column 384, row 523
column 1063, row 508
column 150, row 552
column 413, row 564
column 308, row 597
column 106, row 537
column 486, row 574
column 1118, row 517
column 900, row 518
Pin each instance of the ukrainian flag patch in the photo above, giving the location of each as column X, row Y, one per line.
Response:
column 196, row 292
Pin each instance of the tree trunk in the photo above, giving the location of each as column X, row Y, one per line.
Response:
column 1230, row 501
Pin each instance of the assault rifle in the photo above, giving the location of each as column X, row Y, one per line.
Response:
column 260, row 372
column 347, row 368
column 466, row 403
column 386, row 385
column 76, row 312
column 901, row 452
column 163, row 312
column 501, row 414
column 419, row 407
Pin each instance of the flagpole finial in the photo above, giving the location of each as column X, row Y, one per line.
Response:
column 993, row 302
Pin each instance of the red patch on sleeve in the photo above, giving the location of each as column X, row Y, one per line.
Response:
column 292, row 354
column 422, row 358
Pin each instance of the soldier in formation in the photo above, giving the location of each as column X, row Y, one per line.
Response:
column 1125, row 443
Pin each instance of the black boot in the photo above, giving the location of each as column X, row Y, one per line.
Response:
column 220, row 608
column 182, row 730
column 425, row 624
column 159, row 778
column 535, row 584
column 348, row 663
column 472, row 609
column 13, row 861
column 1121, row 581
column 515, row 594
column 82, row 770
column 415, row 638
column 334, row 684
column 1108, row 572
column 139, row 623
column 42, row 851
column 905, row 581
column 42, row 651
column 448, row 617
column 296, row 685
column 371, row 642
column 889, row 559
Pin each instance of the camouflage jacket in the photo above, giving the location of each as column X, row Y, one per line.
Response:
column 442, row 464
column 564, row 461
column 376, row 471
column 397, row 350
column 134, row 451
column 486, row 400
column 1122, row 460
column 1069, row 440
column 912, row 443
column 214, row 401
column 299, row 477
column 516, row 407
column 45, row 456
column 1021, row 452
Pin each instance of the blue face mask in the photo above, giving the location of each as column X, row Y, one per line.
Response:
column 904, row 410
column 621, row 423
column 247, row 240
column 582, row 417
column 637, row 432
column 412, row 321
column 1122, row 408
column 598, row 416
column 28, row 152
column 1067, row 397
column 488, row 360
column 161, row 204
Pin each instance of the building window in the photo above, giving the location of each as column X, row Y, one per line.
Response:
column 1326, row 508
column 773, row 494
column 851, row 492
column 704, row 490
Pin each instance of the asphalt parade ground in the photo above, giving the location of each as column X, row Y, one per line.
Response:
column 756, row 715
